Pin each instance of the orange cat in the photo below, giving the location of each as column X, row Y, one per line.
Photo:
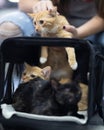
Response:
column 50, row 24
column 31, row 72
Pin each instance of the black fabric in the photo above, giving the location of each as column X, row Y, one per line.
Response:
column 21, row 49
column 100, row 84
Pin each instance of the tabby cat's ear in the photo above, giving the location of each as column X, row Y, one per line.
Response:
column 46, row 72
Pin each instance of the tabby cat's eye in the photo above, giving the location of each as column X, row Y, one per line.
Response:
column 33, row 76
column 41, row 21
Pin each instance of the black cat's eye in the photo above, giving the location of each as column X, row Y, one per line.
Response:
column 41, row 21
column 33, row 76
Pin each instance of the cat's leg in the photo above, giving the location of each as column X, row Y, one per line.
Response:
column 44, row 54
column 71, row 57
column 83, row 103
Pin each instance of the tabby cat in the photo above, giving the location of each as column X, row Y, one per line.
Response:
column 50, row 24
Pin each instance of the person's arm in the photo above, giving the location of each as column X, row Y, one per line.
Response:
column 93, row 26
column 27, row 5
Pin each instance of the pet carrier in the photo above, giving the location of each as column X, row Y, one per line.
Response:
column 99, row 74
column 14, row 52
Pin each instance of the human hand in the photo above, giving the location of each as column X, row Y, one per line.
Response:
column 43, row 5
column 72, row 29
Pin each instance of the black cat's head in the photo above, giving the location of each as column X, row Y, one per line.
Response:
column 68, row 93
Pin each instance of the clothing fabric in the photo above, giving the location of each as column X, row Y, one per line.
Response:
column 80, row 11
column 77, row 12
column 22, row 20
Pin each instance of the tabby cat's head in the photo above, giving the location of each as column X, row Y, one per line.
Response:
column 31, row 72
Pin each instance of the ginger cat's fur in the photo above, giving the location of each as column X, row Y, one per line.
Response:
column 49, row 23
column 57, row 59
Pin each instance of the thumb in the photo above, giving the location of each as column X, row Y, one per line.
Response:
column 72, row 29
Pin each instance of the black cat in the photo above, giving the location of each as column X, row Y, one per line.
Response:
column 43, row 97
column 67, row 97
column 22, row 97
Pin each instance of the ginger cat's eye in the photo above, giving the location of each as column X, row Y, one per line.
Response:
column 33, row 76
column 41, row 21
column 34, row 23
column 24, row 73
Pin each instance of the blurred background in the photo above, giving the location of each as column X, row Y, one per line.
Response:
column 4, row 4
column 7, row 6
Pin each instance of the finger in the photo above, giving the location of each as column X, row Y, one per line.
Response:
column 49, row 5
column 43, row 6
column 69, row 28
column 36, row 8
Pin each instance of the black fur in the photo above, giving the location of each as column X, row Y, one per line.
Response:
column 43, row 97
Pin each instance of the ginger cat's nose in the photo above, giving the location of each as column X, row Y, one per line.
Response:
column 36, row 29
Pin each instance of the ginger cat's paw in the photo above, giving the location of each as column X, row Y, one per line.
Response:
column 43, row 60
column 72, row 62
column 83, row 103
column 74, row 66
column 71, row 58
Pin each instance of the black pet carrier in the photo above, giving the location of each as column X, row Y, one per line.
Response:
column 99, row 74
column 14, row 52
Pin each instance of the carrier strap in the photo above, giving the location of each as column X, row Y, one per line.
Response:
column 101, row 85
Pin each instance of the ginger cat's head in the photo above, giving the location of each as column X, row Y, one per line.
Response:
column 50, row 23
column 31, row 72
column 45, row 21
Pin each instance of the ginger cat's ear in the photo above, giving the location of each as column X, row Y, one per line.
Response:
column 32, row 15
column 27, row 65
column 46, row 72
column 53, row 11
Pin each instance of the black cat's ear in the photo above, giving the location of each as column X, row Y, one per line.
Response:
column 54, row 83
column 46, row 72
